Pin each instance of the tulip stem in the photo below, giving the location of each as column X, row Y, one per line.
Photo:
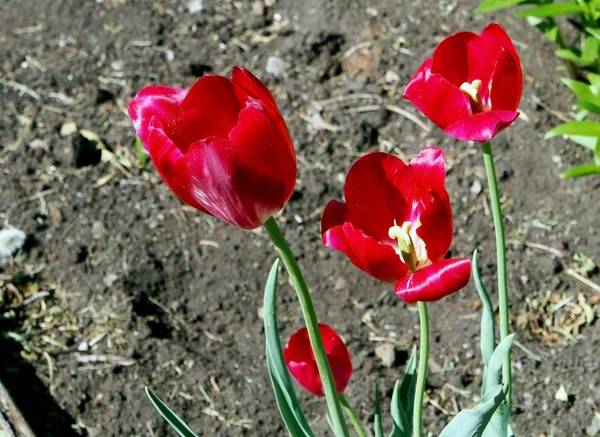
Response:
column 490, row 170
column 352, row 416
column 422, row 373
column 310, row 319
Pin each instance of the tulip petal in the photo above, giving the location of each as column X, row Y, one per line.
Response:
column 435, row 281
column 307, row 375
column 210, row 109
column 378, row 260
column 372, row 194
column 430, row 169
column 481, row 127
column 465, row 57
column 435, row 215
column 161, row 102
column 507, row 83
column 497, row 36
column 416, row 91
column 446, row 103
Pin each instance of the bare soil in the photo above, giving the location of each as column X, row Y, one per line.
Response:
column 120, row 285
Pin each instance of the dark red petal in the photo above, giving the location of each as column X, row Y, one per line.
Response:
column 335, row 214
column 256, row 89
column 465, row 57
column 417, row 91
column 483, row 126
column 430, row 170
column 497, row 36
column 300, row 359
column 507, row 83
column 253, row 86
column 378, row 260
column 435, row 214
column 446, row 103
column 435, row 281
column 372, row 194
column 211, row 108
column 161, row 102
column 168, row 160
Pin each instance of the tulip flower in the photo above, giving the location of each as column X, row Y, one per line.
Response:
column 301, row 362
column 222, row 147
column 396, row 225
column 471, row 87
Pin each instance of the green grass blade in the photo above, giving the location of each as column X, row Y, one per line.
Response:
column 141, row 153
column 170, row 417
column 551, row 10
column 496, row 5
column 287, row 401
column 377, row 421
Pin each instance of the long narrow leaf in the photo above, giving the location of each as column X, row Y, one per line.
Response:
column 170, row 417
column 551, row 10
column 402, row 399
column 287, row 401
column 495, row 5
column 585, row 128
column 581, row 170
column 487, row 341
column 377, row 420
column 472, row 422
column 491, row 377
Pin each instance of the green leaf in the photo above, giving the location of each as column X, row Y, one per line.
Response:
column 487, row 330
column 403, row 399
column 594, row 32
column 170, row 417
column 141, row 153
column 287, row 402
column 581, row 170
column 590, row 107
column 569, row 55
column 586, row 128
column 583, row 91
column 495, row 5
column 377, row 420
column 472, row 422
column 551, row 10
column 591, row 46
column 491, row 375
column 595, row 81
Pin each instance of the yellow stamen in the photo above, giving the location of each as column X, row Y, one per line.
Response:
column 472, row 90
column 405, row 243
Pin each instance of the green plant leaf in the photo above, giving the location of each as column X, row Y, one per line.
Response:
column 141, row 153
column 581, row 170
column 495, row 5
column 403, row 398
column 287, row 402
column 377, row 420
column 585, row 128
column 591, row 46
column 551, row 10
column 491, row 375
column 583, row 91
column 595, row 81
column 487, row 330
column 594, row 32
column 569, row 55
column 472, row 422
column 170, row 417
column 590, row 107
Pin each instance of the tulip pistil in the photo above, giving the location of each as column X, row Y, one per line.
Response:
column 408, row 253
column 472, row 91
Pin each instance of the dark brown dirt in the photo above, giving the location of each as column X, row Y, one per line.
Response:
column 133, row 272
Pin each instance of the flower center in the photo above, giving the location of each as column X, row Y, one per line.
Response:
column 472, row 91
column 411, row 247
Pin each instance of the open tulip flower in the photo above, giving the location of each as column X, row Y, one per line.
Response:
column 396, row 225
column 471, row 87
column 222, row 147
column 301, row 362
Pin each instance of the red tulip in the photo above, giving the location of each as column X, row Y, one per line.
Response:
column 472, row 86
column 300, row 360
column 396, row 225
column 221, row 147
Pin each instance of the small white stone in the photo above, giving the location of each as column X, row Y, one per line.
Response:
column 195, row 6
column 275, row 66
column 386, row 352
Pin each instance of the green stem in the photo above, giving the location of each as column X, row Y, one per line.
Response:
column 490, row 170
column 312, row 325
column 352, row 416
column 422, row 373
